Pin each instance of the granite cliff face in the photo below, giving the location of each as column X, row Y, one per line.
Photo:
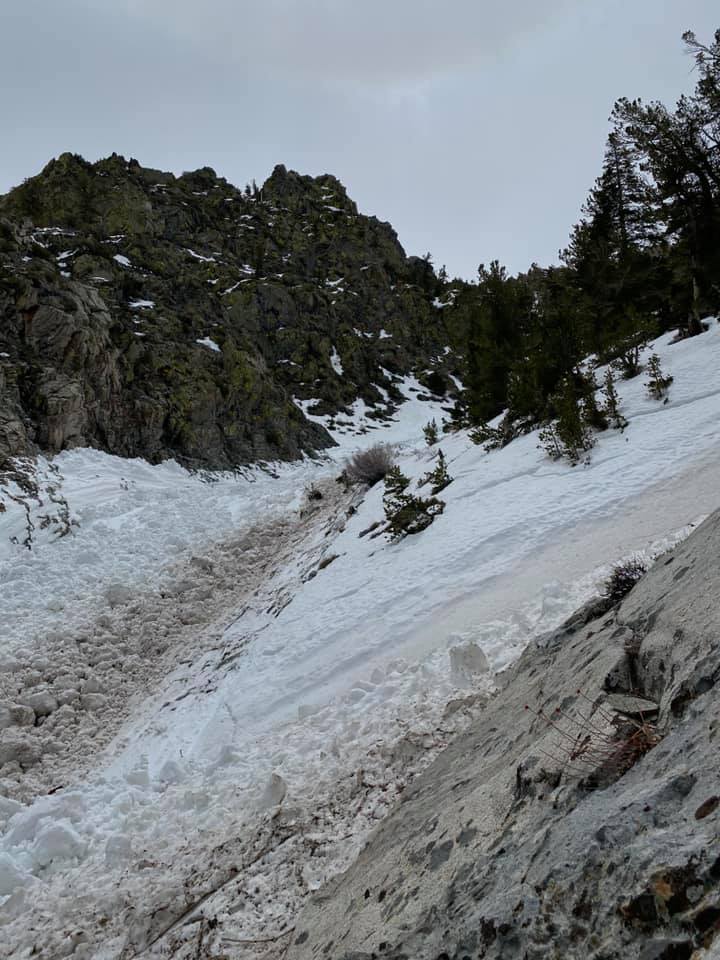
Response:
column 579, row 815
column 152, row 315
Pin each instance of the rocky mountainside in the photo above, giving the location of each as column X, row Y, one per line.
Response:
column 152, row 315
column 578, row 817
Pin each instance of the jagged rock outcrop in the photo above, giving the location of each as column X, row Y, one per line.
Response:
column 155, row 316
column 579, row 817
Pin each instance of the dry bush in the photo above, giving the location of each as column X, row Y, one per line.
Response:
column 623, row 578
column 369, row 466
column 600, row 746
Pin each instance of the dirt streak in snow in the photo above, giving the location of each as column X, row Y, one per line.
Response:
column 84, row 684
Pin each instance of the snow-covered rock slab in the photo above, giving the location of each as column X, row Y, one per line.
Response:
column 517, row 842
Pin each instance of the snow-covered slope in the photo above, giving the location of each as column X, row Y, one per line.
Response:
column 321, row 674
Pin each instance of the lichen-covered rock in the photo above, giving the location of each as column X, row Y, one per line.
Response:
column 157, row 316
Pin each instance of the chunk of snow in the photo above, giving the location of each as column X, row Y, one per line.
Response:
column 467, row 661
column 210, row 344
column 57, row 841
column 199, row 256
column 122, row 260
column 336, row 362
column 12, row 876
column 274, row 792
column 117, row 595
column 141, row 304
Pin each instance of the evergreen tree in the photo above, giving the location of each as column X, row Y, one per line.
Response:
column 612, row 402
column 680, row 150
column 406, row 514
column 569, row 436
column 490, row 437
column 658, row 383
column 395, row 481
column 613, row 250
column 585, row 386
column 439, row 478
column 430, row 431
column 492, row 339
column 644, row 258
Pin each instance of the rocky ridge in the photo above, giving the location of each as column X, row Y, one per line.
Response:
column 161, row 316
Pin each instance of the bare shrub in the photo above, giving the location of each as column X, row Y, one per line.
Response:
column 623, row 578
column 600, row 746
column 369, row 466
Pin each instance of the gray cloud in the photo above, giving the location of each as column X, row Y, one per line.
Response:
column 372, row 41
column 476, row 128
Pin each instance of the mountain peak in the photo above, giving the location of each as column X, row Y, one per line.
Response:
column 184, row 317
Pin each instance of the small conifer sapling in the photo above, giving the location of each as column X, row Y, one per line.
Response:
column 657, row 385
column 439, row 478
column 611, row 408
column 395, row 481
column 406, row 514
column 570, row 435
column 430, row 430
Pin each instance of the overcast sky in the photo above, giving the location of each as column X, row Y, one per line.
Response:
column 474, row 127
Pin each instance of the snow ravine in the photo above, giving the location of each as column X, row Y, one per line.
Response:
column 245, row 681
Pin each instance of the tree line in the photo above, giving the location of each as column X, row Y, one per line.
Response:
column 644, row 259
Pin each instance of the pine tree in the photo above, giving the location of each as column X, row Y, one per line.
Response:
column 406, row 514
column 612, row 402
column 569, row 436
column 586, row 388
column 657, row 385
column 395, row 481
column 550, row 442
column 680, row 151
column 611, row 249
column 430, row 430
column 494, row 310
column 490, row 437
column 439, row 478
